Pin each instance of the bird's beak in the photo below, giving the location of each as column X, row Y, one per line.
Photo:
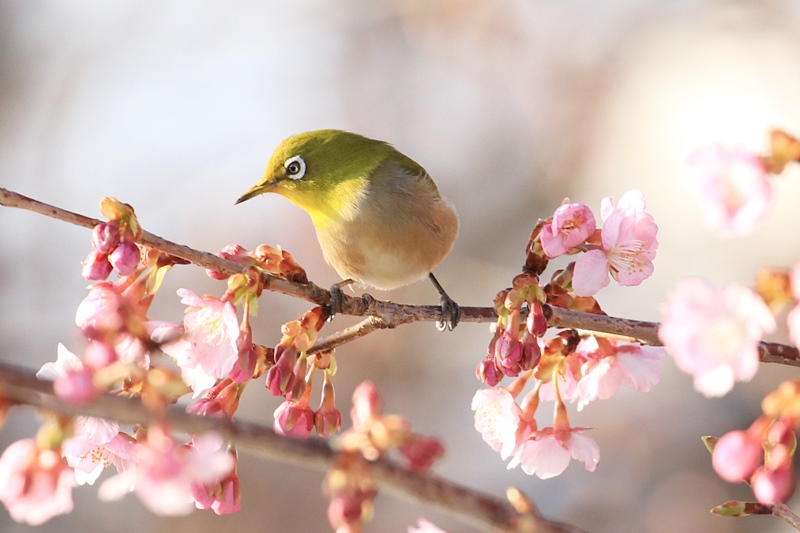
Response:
column 259, row 188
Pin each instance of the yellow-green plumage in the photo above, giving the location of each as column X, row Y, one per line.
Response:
column 379, row 217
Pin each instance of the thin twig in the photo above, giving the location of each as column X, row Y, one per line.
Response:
column 388, row 314
column 783, row 512
column 21, row 386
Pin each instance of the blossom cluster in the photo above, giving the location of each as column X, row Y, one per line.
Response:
column 215, row 358
column 762, row 454
column 113, row 242
column 567, row 367
column 373, row 435
column 715, row 333
column 735, row 185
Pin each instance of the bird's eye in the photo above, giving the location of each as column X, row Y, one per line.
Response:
column 295, row 167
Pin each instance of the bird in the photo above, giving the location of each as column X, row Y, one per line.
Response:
column 379, row 217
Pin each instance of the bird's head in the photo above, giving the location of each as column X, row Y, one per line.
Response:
column 322, row 171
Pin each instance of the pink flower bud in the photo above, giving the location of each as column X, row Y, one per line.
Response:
column 294, row 419
column 105, row 237
column 531, row 351
column 508, row 354
column 536, row 323
column 367, row 404
column 280, row 377
column 125, row 258
column 102, row 309
column 736, row 456
column 99, row 354
column 245, row 367
column 327, row 419
column 488, row 372
column 76, row 386
column 773, row 486
column 96, row 266
column 231, row 252
column 421, row 451
column 571, row 225
column 222, row 399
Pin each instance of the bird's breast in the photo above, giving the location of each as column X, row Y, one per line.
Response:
column 393, row 238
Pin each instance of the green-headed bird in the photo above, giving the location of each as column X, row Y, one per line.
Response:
column 379, row 217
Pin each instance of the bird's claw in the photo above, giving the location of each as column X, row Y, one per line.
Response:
column 451, row 314
column 337, row 297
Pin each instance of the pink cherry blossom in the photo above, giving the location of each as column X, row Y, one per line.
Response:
column 627, row 249
column 35, row 485
column 734, row 188
column 610, row 364
column 497, row 419
column 207, row 351
column 166, row 473
column 547, row 456
column 424, row 526
column 96, row 444
column 572, row 224
column 713, row 333
column 65, row 362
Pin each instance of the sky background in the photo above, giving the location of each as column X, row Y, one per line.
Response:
column 174, row 106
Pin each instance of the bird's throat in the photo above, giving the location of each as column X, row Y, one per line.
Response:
column 337, row 205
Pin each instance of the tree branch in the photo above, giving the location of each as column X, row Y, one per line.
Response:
column 19, row 385
column 384, row 314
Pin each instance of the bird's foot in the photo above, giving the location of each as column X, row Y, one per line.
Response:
column 337, row 297
column 451, row 312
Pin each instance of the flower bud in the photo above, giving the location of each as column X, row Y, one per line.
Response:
column 76, row 387
column 96, row 266
column 736, row 456
column 125, row 258
column 280, row 377
column 773, row 486
column 488, row 372
column 294, row 418
column 105, row 237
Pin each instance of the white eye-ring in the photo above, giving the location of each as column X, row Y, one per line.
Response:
column 295, row 167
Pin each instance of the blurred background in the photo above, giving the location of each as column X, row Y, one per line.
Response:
column 174, row 106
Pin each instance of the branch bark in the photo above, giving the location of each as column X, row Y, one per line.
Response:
column 21, row 386
column 384, row 314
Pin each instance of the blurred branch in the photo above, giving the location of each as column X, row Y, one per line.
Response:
column 384, row 314
column 20, row 386
column 786, row 514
